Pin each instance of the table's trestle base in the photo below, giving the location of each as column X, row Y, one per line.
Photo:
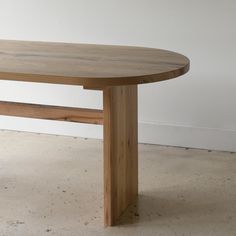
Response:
column 119, row 117
column 120, row 151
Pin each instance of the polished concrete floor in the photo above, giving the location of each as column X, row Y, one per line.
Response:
column 53, row 185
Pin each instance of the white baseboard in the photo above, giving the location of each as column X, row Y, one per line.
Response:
column 187, row 136
column 163, row 134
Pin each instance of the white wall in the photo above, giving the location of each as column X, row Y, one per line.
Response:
column 196, row 110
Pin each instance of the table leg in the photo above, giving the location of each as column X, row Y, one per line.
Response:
column 120, row 150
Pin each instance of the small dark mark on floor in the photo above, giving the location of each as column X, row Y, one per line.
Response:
column 48, row 230
column 15, row 223
column 136, row 214
column 85, row 138
column 85, row 171
column 6, row 187
column 64, row 191
column 186, row 148
column 20, row 222
column 86, row 223
column 209, row 150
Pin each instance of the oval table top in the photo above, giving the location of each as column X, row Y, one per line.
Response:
column 87, row 64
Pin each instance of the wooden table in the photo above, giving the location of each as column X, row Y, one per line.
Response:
column 116, row 71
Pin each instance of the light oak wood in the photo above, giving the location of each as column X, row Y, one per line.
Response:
column 116, row 70
column 88, row 65
column 82, row 115
column 120, row 151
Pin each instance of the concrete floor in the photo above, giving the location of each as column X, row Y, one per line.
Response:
column 52, row 185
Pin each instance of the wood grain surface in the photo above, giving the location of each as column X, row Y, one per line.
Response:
column 82, row 115
column 120, row 150
column 86, row 64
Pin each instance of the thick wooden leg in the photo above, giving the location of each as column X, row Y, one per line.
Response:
column 120, row 150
